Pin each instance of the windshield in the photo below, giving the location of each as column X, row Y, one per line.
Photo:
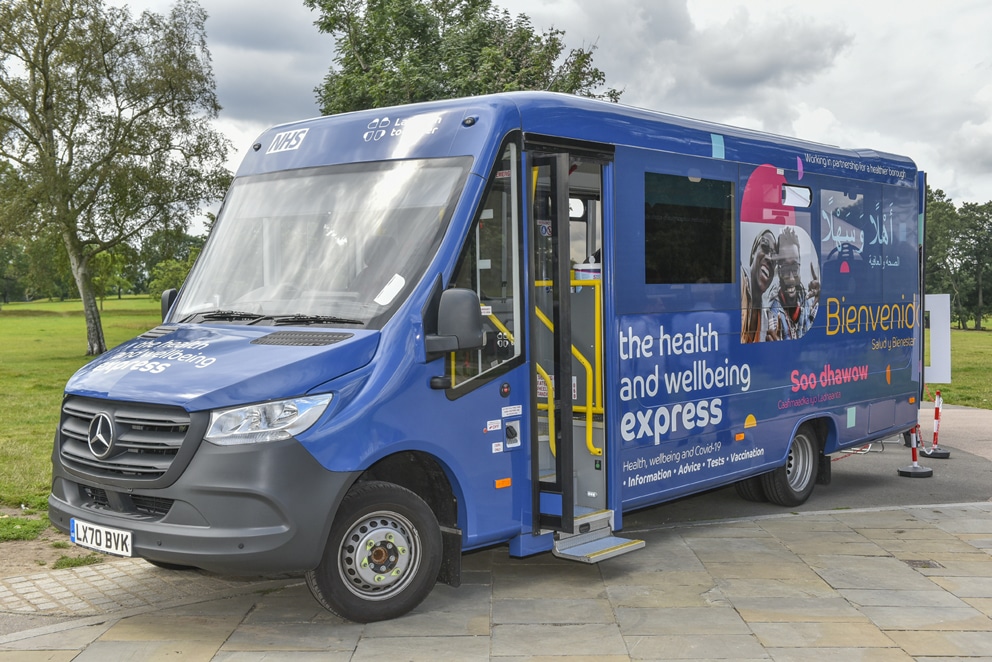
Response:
column 332, row 245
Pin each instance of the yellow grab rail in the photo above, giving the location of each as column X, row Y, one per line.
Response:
column 550, row 407
column 499, row 325
column 590, row 405
column 594, row 398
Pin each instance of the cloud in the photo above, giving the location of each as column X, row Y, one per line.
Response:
column 742, row 55
column 268, row 58
column 265, row 86
column 753, row 69
column 265, row 26
column 628, row 36
column 709, row 63
column 908, row 78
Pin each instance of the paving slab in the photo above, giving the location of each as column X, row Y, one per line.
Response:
column 703, row 621
column 694, row 647
column 846, row 654
column 821, row 635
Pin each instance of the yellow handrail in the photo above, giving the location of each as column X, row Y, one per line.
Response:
column 594, row 377
column 550, row 406
column 590, row 405
column 499, row 325
column 598, row 333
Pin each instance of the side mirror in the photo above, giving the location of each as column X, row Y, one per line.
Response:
column 168, row 298
column 459, row 323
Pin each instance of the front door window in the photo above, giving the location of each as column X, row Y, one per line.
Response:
column 490, row 265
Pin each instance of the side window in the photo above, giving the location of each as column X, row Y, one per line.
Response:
column 490, row 265
column 688, row 230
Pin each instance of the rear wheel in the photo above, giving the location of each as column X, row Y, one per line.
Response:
column 382, row 555
column 750, row 489
column 791, row 484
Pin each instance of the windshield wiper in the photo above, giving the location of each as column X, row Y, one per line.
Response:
column 225, row 315
column 304, row 320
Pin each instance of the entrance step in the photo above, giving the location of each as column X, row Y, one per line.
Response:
column 593, row 540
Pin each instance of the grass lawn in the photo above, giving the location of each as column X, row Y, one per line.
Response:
column 971, row 363
column 41, row 344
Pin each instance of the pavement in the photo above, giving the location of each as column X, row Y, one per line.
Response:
column 874, row 567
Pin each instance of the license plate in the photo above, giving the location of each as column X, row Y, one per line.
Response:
column 100, row 538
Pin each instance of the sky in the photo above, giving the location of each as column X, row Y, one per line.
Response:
column 910, row 77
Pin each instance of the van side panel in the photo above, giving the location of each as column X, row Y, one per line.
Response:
column 692, row 401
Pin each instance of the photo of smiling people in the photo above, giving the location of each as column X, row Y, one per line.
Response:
column 780, row 271
column 794, row 305
column 757, row 272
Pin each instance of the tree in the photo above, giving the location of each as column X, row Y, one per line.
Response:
column 166, row 258
column 48, row 274
column 110, row 271
column 13, row 268
column 171, row 274
column 105, row 129
column 975, row 244
column 944, row 268
column 162, row 246
column 392, row 52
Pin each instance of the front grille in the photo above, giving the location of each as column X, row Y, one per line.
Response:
column 151, row 505
column 135, row 505
column 96, row 496
column 146, row 441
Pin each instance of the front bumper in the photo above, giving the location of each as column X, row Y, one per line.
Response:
column 252, row 509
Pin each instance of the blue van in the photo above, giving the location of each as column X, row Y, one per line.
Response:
column 509, row 319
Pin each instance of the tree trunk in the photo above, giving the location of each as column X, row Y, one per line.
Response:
column 981, row 307
column 95, row 343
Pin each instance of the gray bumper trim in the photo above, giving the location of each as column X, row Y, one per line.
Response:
column 253, row 509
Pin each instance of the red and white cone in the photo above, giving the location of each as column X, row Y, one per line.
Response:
column 915, row 470
column 935, row 450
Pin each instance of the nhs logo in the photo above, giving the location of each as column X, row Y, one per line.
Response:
column 287, row 141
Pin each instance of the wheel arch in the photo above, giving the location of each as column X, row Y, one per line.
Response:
column 825, row 429
column 826, row 432
column 424, row 475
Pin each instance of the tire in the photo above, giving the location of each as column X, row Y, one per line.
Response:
column 750, row 489
column 791, row 484
column 382, row 556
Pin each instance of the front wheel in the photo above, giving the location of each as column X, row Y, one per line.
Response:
column 791, row 484
column 382, row 555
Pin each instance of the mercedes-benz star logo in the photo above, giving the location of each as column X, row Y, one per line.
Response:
column 101, row 435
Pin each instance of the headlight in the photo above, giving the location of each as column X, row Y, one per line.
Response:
column 269, row 421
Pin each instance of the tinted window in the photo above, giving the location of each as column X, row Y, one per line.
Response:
column 688, row 230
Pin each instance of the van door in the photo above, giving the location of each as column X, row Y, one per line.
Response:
column 565, row 348
column 550, row 343
column 565, row 197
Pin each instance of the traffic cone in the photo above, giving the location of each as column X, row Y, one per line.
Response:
column 935, row 450
column 915, row 470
